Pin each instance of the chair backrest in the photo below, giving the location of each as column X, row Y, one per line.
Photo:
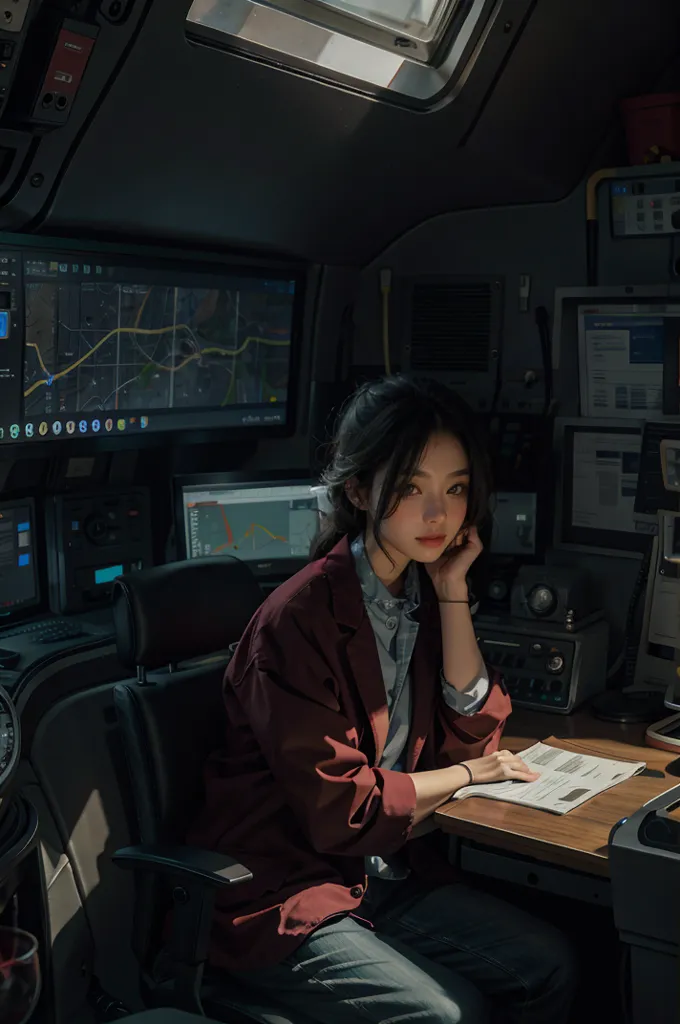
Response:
column 170, row 722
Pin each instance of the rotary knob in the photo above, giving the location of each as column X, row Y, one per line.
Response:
column 555, row 664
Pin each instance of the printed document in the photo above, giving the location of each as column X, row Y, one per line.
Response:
column 567, row 779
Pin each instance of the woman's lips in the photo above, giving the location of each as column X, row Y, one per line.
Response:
column 432, row 542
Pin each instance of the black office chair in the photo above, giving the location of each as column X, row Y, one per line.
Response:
column 170, row 721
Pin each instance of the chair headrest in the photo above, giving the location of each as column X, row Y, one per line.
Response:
column 182, row 610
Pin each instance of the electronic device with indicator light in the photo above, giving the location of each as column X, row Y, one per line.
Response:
column 544, row 667
column 554, row 594
column 94, row 539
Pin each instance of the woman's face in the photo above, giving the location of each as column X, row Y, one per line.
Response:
column 430, row 515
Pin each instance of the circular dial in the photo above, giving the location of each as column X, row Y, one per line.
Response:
column 9, row 738
column 541, row 600
column 555, row 663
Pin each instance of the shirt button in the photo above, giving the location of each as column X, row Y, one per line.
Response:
column 391, row 623
column 356, row 892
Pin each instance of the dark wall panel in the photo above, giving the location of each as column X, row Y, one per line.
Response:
column 193, row 143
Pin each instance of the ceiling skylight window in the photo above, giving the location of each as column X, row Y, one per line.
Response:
column 415, row 26
column 412, row 48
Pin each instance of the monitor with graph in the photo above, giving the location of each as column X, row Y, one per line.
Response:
column 267, row 520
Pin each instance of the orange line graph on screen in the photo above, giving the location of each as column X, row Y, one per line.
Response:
column 250, row 535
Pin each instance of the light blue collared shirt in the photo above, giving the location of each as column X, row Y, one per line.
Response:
column 396, row 630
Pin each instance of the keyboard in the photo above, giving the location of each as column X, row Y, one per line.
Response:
column 48, row 631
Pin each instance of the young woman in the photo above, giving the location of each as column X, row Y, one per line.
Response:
column 357, row 703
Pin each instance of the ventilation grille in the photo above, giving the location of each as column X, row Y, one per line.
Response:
column 451, row 326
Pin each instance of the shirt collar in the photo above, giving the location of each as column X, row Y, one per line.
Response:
column 374, row 590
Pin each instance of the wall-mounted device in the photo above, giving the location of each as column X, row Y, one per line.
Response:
column 266, row 519
column 552, row 594
column 19, row 577
column 642, row 205
column 512, row 536
column 66, row 56
column 514, row 524
column 520, row 448
column 543, row 666
column 93, row 539
column 98, row 345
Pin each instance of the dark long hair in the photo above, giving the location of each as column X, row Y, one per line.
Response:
column 387, row 423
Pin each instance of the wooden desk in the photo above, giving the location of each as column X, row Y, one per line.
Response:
column 577, row 840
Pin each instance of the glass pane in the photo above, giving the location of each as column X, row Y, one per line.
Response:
column 359, row 41
column 275, row 30
column 423, row 19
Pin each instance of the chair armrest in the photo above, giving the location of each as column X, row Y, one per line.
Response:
column 189, row 863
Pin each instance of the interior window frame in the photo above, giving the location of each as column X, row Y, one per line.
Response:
column 416, row 85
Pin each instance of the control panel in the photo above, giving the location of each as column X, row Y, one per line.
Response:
column 93, row 539
column 645, row 206
column 542, row 668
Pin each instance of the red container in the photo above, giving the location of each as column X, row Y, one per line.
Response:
column 652, row 123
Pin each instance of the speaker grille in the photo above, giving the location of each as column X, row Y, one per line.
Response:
column 451, row 326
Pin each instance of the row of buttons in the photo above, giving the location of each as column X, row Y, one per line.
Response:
column 537, row 691
column 507, row 660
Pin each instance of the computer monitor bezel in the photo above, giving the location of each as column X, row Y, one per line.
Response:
column 282, row 567
column 189, row 264
column 567, row 537
column 9, row 616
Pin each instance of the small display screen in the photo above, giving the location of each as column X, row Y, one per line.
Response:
column 108, row 575
column 19, row 588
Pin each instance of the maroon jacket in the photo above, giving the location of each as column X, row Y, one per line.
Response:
column 296, row 794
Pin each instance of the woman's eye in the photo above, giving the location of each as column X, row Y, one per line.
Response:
column 410, row 489
column 458, row 489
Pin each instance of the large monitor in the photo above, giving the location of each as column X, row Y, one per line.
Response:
column 600, row 462
column 95, row 344
column 19, row 580
column 268, row 520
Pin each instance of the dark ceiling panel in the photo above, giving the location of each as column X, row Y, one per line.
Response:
column 195, row 144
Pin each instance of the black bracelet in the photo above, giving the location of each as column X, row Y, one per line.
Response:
column 459, row 601
column 468, row 769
